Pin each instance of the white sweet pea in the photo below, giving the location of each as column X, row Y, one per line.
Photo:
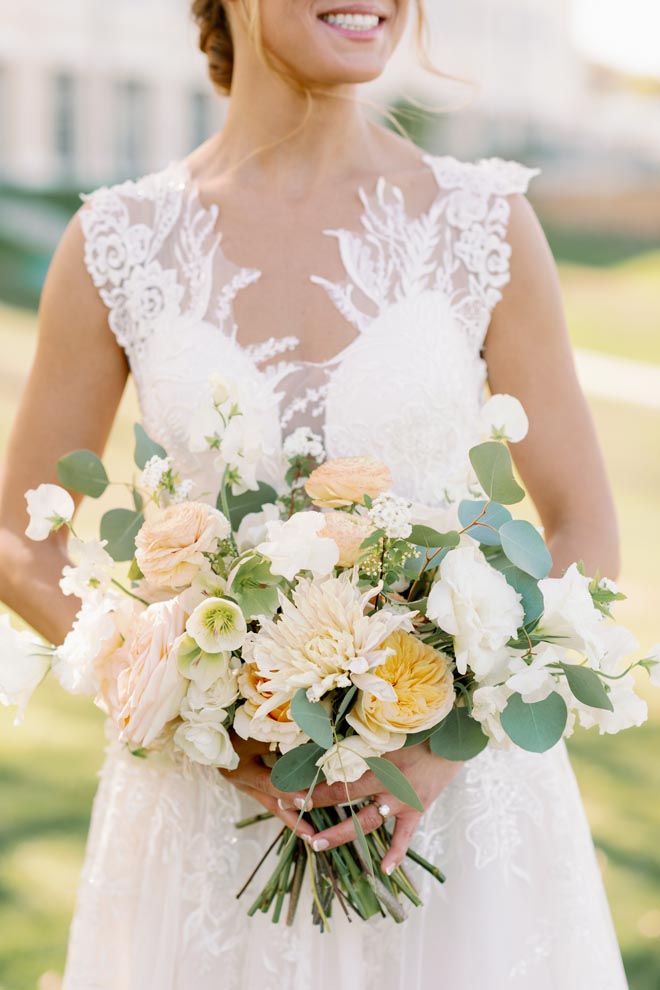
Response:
column 629, row 709
column 49, row 507
column 570, row 614
column 618, row 644
column 607, row 585
column 95, row 627
column 92, row 571
column 535, row 680
column 206, row 742
column 217, row 625
column 346, row 761
column 23, row 666
column 475, row 604
column 488, row 703
column 253, row 527
column 295, row 546
column 503, row 418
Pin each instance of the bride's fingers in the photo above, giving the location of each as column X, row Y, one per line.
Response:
column 406, row 826
column 252, row 773
column 328, row 795
column 369, row 817
column 290, row 818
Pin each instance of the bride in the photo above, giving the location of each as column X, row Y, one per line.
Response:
column 380, row 288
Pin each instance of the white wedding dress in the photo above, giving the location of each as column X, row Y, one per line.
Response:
column 524, row 905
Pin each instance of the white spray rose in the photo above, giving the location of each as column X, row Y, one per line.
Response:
column 206, row 742
column 503, row 418
column 475, row 604
column 49, row 507
column 213, row 700
column 23, row 666
column 295, row 545
column 346, row 761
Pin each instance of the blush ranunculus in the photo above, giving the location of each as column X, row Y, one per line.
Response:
column 346, row 480
column 170, row 546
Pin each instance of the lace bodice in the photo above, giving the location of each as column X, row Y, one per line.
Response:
column 419, row 291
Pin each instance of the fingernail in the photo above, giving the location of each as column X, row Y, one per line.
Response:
column 299, row 803
column 282, row 805
column 389, row 869
column 318, row 845
column 306, row 838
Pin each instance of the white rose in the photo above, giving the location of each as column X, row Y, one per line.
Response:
column 295, row 545
column 49, row 507
column 345, row 762
column 23, row 666
column 475, row 604
column 488, row 703
column 570, row 613
column 503, row 417
column 253, row 527
column 206, row 742
column 222, row 693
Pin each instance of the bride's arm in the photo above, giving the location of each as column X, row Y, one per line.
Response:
column 528, row 354
column 70, row 400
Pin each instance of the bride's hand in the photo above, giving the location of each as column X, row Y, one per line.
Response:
column 253, row 778
column 428, row 774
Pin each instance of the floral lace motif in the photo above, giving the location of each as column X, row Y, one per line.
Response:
column 524, row 902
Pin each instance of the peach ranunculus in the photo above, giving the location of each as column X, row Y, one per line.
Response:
column 346, row 480
column 171, row 544
column 423, row 682
column 149, row 687
column 277, row 727
column 348, row 532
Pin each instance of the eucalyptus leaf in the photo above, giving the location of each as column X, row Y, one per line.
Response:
column 491, row 516
column 415, row 738
column 145, row 447
column 82, row 471
column 362, row 842
column 134, row 572
column 587, row 686
column 296, row 770
column 458, row 737
column 494, row 469
column 524, row 584
column 424, row 536
column 250, row 501
column 524, row 546
column 536, row 726
column 120, row 527
column 138, row 501
column 346, row 703
column 312, row 718
column 394, row 781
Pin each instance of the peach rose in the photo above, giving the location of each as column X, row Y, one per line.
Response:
column 346, row 480
column 348, row 532
column 149, row 687
column 171, row 544
column 423, row 683
column 277, row 727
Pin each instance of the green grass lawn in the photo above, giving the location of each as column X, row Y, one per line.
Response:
column 48, row 765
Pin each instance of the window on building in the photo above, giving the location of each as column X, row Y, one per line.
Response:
column 200, row 118
column 132, row 127
column 64, row 122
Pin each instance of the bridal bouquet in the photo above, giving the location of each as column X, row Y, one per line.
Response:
column 332, row 621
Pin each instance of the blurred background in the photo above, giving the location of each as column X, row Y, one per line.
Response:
column 92, row 93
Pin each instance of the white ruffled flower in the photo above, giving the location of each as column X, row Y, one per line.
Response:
column 393, row 515
column 503, row 418
column 346, row 761
column 629, row 709
column 570, row 614
column 23, row 666
column 207, row 742
column 536, row 680
column 303, row 442
column 92, row 571
column 95, row 627
column 253, row 527
column 217, row 625
column 49, row 507
column 214, row 699
column 488, row 703
column 295, row 546
column 475, row 604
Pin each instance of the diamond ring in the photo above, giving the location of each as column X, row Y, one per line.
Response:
column 384, row 811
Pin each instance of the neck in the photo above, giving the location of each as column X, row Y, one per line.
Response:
column 273, row 132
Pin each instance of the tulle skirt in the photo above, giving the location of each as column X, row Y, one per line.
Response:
column 523, row 906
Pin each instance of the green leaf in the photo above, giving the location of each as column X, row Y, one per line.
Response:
column 587, row 686
column 524, row 584
column 524, row 546
column 145, row 447
column 312, row 718
column 372, row 540
column 82, row 471
column 458, row 737
column 296, row 770
column 424, row 536
column 495, row 515
column 415, row 738
column 537, row 726
column 394, row 781
column 346, row 704
column 494, row 469
column 134, row 572
column 120, row 527
column 241, row 505
column 138, row 501
column 362, row 842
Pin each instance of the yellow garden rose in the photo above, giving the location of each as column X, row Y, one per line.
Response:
column 423, row 684
column 346, row 480
column 348, row 532
column 170, row 546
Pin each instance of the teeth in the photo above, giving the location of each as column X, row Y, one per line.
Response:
column 353, row 22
